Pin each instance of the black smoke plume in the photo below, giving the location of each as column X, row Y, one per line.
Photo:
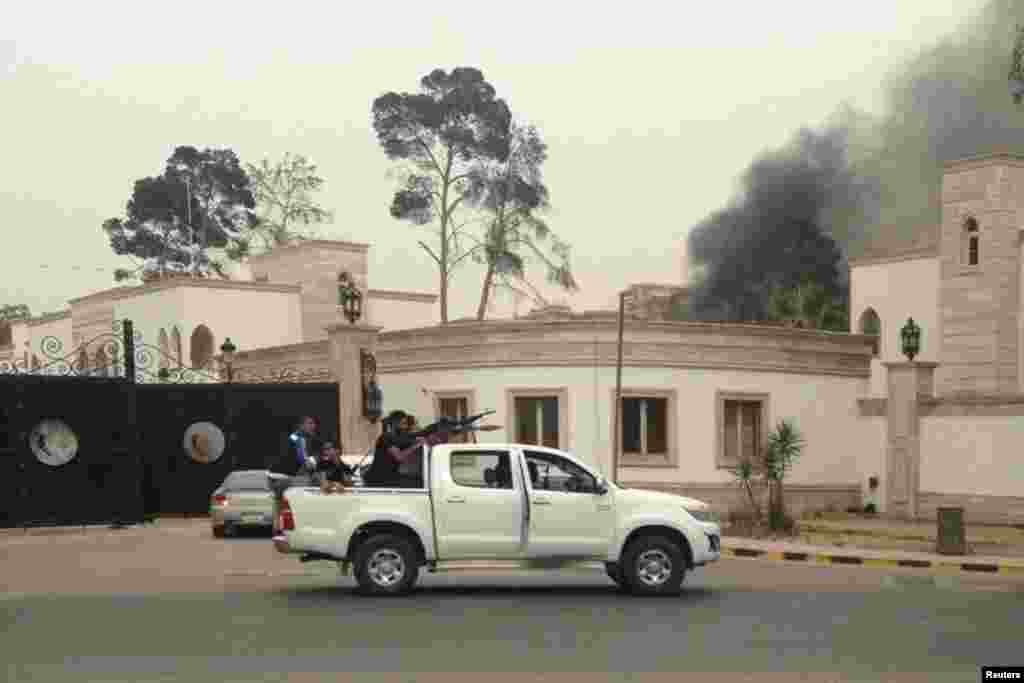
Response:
column 861, row 184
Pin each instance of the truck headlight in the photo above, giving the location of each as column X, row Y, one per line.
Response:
column 704, row 515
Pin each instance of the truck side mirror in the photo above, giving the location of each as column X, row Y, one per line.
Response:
column 602, row 486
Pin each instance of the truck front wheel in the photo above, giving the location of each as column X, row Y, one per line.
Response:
column 386, row 565
column 614, row 571
column 654, row 565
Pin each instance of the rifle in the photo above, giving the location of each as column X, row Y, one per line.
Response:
column 446, row 427
column 442, row 430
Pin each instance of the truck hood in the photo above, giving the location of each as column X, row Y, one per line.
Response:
column 637, row 496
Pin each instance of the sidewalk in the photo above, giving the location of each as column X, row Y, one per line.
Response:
column 800, row 552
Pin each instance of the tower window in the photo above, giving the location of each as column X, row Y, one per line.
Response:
column 972, row 239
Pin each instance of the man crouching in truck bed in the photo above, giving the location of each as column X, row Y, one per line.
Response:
column 394, row 448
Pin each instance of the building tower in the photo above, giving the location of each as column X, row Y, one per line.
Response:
column 980, row 279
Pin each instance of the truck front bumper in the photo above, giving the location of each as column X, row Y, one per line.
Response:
column 710, row 550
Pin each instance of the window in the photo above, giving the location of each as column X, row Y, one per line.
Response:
column 549, row 472
column 741, row 423
column 537, row 420
column 482, row 469
column 176, row 346
column 6, row 335
column 871, row 324
column 647, row 427
column 201, row 347
column 538, row 416
column 455, row 404
column 247, row 481
column 164, row 342
column 971, row 242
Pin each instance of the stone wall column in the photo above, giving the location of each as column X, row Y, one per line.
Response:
column 345, row 341
column 907, row 382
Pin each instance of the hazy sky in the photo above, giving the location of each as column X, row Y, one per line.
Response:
column 650, row 114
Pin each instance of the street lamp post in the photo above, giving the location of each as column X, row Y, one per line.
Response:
column 351, row 299
column 616, row 427
column 227, row 351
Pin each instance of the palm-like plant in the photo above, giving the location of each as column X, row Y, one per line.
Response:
column 746, row 473
column 785, row 445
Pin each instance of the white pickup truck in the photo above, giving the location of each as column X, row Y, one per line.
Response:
column 517, row 505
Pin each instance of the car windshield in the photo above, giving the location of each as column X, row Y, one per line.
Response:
column 247, row 481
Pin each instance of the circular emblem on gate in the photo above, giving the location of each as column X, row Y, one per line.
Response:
column 53, row 443
column 204, row 442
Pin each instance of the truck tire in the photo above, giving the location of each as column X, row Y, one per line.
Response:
column 654, row 565
column 614, row 571
column 386, row 565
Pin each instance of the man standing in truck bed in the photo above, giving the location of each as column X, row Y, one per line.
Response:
column 393, row 449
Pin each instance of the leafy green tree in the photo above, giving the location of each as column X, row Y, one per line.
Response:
column 809, row 306
column 438, row 136
column 202, row 200
column 285, row 204
column 9, row 312
column 1017, row 67
column 512, row 194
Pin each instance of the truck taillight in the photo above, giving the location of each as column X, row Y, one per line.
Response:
column 285, row 519
column 219, row 500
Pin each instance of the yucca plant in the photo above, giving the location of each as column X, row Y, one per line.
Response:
column 785, row 445
column 746, row 473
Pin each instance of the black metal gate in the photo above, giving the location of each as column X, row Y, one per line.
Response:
column 99, row 445
column 246, row 426
column 67, row 451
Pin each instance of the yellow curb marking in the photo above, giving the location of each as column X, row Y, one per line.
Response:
column 940, row 567
column 875, row 562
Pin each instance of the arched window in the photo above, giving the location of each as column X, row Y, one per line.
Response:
column 83, row 362
column 164, row 342
column 971, row 243
column 176, row 346
column 201, row 347
column 871, row 324
column 6, row 335
column 101, row 364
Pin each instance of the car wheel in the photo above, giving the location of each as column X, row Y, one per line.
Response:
column 654, row 565
column 614, row 572
column 386, row 565
column 230, row 530
column 218, row 532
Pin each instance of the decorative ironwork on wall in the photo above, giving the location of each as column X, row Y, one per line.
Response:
column 119, row 353
column 123, row 353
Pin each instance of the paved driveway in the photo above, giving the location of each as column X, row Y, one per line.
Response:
column 173, row 604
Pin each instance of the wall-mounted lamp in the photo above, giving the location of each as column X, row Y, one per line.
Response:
column 910, row 335
column 373, row 397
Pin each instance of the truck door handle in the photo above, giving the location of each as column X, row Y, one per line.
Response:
column 604, row 507
column 456, row 499
column 541, row 501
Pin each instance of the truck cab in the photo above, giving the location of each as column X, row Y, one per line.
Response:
column 523, row 505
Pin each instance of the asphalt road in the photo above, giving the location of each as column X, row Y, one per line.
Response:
column 736, row 616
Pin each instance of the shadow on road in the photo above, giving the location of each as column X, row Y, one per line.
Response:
column 583, row 594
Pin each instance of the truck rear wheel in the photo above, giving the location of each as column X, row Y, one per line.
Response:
column 654, row 565
column 386, row 565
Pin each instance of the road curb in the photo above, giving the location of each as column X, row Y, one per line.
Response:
column 865, row 561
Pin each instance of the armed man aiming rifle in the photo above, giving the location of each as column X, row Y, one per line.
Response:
column 400, row 446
